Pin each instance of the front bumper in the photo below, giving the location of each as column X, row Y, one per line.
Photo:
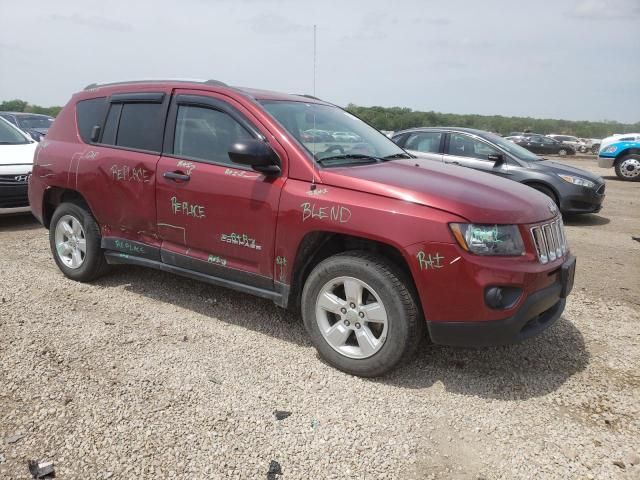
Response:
column 576, row 199
column 14, row 198
column 606, row 162
column 536, row 314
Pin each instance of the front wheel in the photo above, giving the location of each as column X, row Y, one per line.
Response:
column 74, row 237
column 628, row 168
column 562, row 152
column 361, row 314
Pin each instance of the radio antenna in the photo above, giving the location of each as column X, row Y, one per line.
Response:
column 315, row 27
column 314, row 138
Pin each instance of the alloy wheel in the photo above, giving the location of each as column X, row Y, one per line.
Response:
column 71, row 244
column 351, row 317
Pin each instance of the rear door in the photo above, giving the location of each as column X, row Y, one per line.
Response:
column 117, row 171
column 215, row 216
column 424, row 144
column 473, row 152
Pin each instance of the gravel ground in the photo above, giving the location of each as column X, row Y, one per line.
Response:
column 146, row 375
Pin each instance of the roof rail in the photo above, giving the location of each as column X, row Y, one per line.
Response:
column 180, row 80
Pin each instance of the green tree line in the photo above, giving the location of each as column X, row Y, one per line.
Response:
column 397, row 118
column 22, row 106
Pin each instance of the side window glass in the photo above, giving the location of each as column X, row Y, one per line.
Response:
column 89, row 114
column 427, row 142
column 206, row 134
column 465, row 146
column 141, row 126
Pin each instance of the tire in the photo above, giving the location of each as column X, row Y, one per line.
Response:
column 628, row 168
column 547, row 191
column 595, row 149
column 391, row 342
column 562, row 152
column 67, row 241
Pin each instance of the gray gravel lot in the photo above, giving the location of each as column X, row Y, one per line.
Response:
column 147, row 375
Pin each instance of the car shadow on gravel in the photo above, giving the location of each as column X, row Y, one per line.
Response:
column 533, row 368
column 530, row 369
column 227, row 305
column 588, row 220
column 18, row 223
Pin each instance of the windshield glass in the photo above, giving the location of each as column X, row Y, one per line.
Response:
column 35, row 122
column 328, row 132
column 514, row 149
column 9, row 135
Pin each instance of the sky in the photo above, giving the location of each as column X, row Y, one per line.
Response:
column 570, row 59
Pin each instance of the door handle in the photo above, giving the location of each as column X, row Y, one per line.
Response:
column 176, row 176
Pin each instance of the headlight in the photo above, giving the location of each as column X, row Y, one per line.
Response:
column 488, row 239
column 610, row 149
column 583, row 182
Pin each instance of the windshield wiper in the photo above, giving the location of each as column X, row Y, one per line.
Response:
column 351, row 158
column 397, row 155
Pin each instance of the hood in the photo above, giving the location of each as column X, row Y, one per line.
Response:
column 561, row 168
column 14, row 157
column 478, row 197
column 42, row 131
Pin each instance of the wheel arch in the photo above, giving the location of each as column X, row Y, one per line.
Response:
column 318, row 245
column 54, row 196
column 625, row 152
column 540, row 183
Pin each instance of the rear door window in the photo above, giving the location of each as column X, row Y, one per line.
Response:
column 428, row 142
column 141, row 126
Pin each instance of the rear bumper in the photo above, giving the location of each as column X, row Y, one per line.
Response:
column 537, row 313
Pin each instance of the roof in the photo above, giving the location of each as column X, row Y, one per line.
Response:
column 24, row 114
column 473, row 131
column 256, row 94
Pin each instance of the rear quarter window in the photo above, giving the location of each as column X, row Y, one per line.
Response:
column 90, row 113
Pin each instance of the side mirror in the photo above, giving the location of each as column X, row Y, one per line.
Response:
column 497, row 159
column 255, row 154
column 95, row 133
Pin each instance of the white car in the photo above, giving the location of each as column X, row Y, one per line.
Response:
column 577, row 144
column 16, row 161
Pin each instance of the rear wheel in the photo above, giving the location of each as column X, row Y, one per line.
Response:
column 562, row 152
column 628, row 168
column 360, row 313
column 74, row 237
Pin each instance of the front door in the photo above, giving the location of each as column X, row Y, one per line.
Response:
column 215, row 216
column 472, row 152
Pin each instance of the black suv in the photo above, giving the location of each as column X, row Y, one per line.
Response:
column 572, row 189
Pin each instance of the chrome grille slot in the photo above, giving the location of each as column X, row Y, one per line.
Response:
column 549, row 240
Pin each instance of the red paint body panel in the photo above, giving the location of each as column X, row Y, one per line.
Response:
column 222, row 215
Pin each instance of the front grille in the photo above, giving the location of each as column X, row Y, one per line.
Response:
column 600, row 191
column 549, row 240
column 14, row 179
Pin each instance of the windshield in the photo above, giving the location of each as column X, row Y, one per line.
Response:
column 332, row 134
column 9, row 135
column 517, row 151
column 34, row 122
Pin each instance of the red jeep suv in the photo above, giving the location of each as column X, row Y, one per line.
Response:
column 227, row 185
